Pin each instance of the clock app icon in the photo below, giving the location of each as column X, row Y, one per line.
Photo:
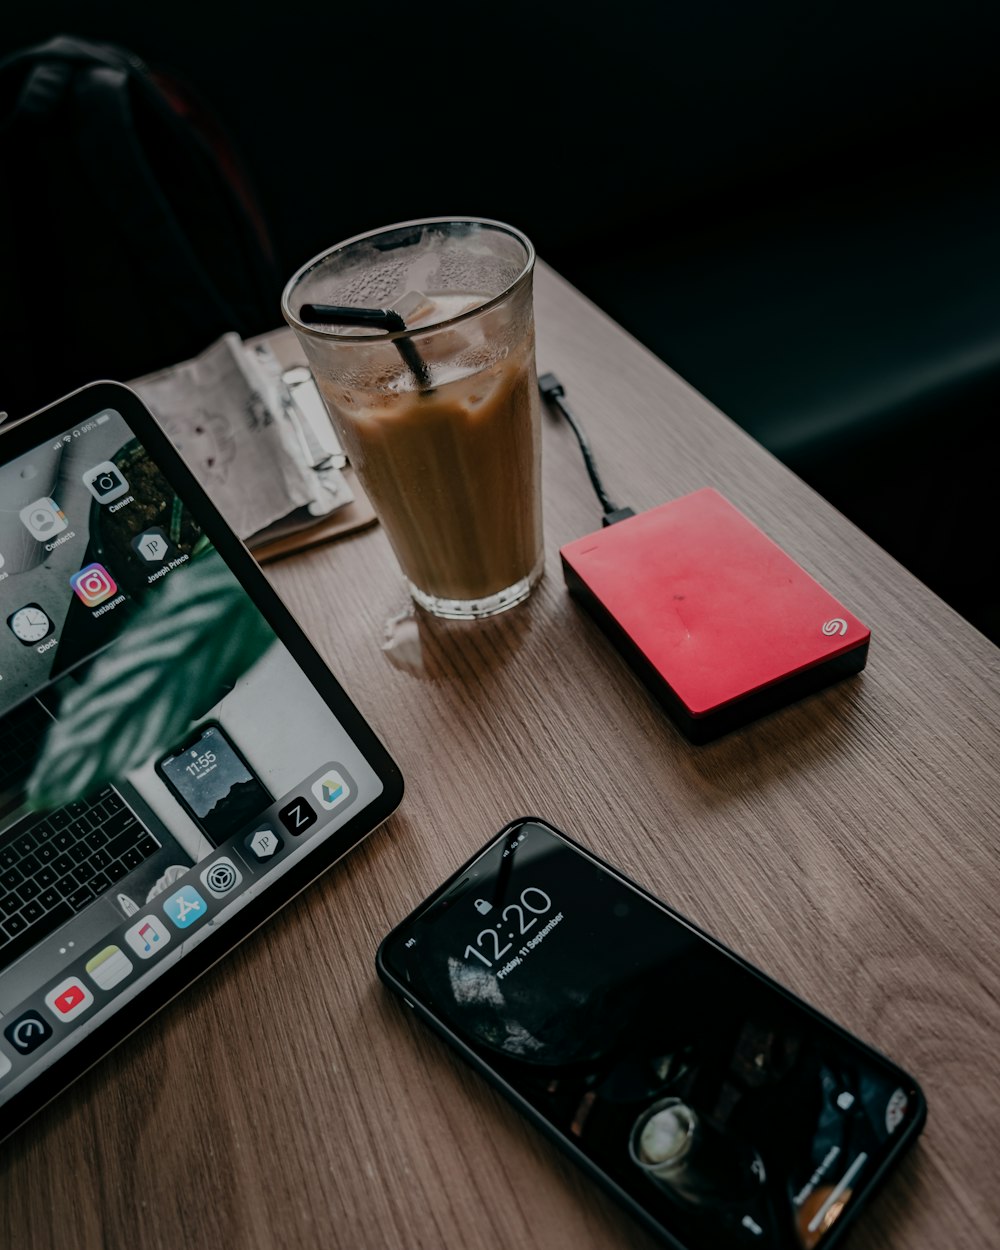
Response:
column 30, row 624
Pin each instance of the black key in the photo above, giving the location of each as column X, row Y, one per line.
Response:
column 67, row 884
column 118, row 846
column 13, row 925
column 118, row 823
column 100, row 859
column 46, row 876
column 80, row 828
column 49, row 898
column 29, row 865
column 79, row 853
column 97, row 839
column 10, row 878
column 148, row 846
column 28, row 889
column 24, row 844
column 84, row 871
column 76, row 809
column 99, row 883
column 59, row 820
column 62, row 841
column 27, row 935
column 132, row 858
column 9, row 904
column 46, row 853
column 62, row 864
column 81, row 898
column 33, row 911
column 112, row 802
column 8, row 858
column 43, row 831
column 116, row 871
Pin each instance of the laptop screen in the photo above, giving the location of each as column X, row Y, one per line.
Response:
column 163, row 756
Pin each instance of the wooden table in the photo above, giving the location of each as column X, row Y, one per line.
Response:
column 849, row 845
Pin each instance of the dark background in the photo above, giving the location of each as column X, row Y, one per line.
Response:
column 795, row 205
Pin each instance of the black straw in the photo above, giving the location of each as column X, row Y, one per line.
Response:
column 384, row 318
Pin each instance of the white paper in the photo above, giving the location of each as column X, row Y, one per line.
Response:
column 229, row 415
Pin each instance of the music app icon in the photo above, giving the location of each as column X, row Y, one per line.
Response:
column 148, row 936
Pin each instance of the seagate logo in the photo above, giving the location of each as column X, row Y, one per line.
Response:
column 835, row 625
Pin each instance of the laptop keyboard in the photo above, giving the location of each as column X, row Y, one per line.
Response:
column 52, row 866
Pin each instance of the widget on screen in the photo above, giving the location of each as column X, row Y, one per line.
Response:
column 93, row 585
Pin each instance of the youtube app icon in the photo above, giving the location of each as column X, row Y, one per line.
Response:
column 69, row 999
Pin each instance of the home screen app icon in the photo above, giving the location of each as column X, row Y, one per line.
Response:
column 93, row 584
column 105, row 482
column 69, row 999
column 331, row 789
column 27, row 1032
column 43, row 519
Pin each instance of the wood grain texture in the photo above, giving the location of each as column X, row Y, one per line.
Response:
column 849, row 845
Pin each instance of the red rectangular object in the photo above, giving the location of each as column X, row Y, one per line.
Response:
column 719, row 622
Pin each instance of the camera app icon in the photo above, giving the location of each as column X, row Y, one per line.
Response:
column 93, row 584
column 105, row 482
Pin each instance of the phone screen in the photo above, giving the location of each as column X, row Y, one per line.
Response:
column 214, row 783
column 728, row 1111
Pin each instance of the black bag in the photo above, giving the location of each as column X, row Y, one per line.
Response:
column 128, row 237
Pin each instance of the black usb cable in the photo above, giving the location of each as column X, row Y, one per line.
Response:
column 553, row 391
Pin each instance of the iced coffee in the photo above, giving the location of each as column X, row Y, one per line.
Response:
column 448, row 452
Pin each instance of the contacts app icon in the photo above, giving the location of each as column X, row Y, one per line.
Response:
column 43, row 519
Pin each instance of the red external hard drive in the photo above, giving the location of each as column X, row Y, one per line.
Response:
column 713, row 616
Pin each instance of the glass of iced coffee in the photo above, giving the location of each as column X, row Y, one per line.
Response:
column 435, row 399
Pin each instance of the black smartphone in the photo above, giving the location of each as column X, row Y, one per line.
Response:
column 211, row 779
column 720, row 1108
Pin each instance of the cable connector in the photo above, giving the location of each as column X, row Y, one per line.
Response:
column 552, row 392
column 550, row 387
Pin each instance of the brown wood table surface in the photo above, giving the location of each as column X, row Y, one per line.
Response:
column 848, row 845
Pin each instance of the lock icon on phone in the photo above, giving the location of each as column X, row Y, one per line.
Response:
column 483, row 907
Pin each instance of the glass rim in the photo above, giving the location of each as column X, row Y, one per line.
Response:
column 323, row 332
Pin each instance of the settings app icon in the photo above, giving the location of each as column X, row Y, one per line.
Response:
column 221, row 877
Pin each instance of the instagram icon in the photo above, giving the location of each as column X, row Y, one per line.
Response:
column 93, row 584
